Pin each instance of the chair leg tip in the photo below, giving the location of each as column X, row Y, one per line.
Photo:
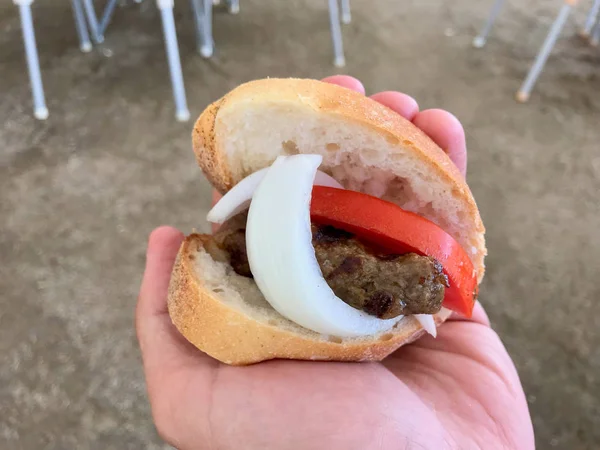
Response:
column 584, row 34
column 339, row 61
column 206, row 51
column 182, row 116
column 346, row 19
column 522, row 96
column 86, row 47
column 479, row 42
column 41, row 113
column 234, row 9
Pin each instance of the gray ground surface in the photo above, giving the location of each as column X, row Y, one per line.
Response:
column 81, row 191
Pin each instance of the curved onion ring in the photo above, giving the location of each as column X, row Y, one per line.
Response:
column 238, row 198
column 427, row 322
column 282, row 258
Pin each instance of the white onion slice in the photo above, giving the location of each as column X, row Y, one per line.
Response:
column 427, row 322
column 282, row 258
column 239, row 197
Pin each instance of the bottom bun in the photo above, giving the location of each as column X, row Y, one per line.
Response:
column 226, row 316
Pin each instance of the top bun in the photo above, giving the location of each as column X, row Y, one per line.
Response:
column 366, row 146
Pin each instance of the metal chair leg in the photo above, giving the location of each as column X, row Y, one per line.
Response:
column 591, row 19
column 170, row 36
column 90, row 12
column 40, row 111
column 202, row 10
column 208, row 46
column 595, row 39
column 542, row 56
column 481, row 39
column 109, row 9
column 198, row 22
column 345, row 7
column 82, row 31
column 336, row 34
column 233, row 6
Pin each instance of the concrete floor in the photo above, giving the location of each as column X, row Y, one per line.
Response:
column 81, row 191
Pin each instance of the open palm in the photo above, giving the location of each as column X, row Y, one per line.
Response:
column 460, row 390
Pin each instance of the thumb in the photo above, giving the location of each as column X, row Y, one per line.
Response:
column 160, row 343
column 163, row 245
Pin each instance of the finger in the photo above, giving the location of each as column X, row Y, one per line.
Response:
column 170, row 361
column 161, row 344
column 163, row 245
column 401, row 103
column 347, row 82
column 447, row 132
column 215, row 198
column 479, row 316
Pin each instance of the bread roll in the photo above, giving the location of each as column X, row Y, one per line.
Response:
column 366, row 147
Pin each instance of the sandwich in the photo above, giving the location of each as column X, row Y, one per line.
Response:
column 344, row 232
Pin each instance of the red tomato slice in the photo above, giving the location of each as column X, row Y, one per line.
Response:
column 398, row 231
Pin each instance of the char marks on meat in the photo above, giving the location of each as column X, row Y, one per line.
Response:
column 382, row 285
column 379, row 284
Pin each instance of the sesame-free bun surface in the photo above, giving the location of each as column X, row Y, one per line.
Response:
column 366, row 147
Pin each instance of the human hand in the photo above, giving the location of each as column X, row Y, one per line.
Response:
column 458, row 391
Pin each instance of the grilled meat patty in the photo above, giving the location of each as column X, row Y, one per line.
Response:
column 379, row 284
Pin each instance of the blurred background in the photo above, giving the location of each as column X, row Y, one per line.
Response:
column 80, row 191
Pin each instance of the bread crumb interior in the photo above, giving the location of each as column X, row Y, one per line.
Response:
column 243, row 294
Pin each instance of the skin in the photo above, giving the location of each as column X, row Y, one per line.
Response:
column 458, row 391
